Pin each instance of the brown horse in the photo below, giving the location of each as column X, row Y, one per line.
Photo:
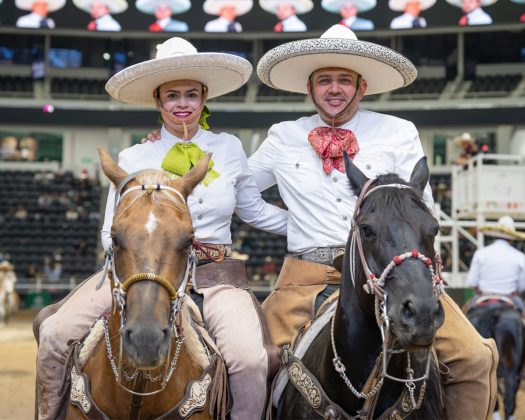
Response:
column 150, row 357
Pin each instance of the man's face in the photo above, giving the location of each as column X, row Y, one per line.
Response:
column 348, row 10
column 284, row 10
column 40, row 8
column 162, row 11
column 228, row 12
column 99, row 9
column 470, row 5
column 333, row 89
column 413, row 8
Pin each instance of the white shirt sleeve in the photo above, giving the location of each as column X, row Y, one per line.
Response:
column 521, row 275
column 473, row 273
column 252, row 209
column 262, row 163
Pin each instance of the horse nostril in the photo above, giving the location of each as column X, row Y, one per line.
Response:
column 127, row 335
column 408, row 310
column 166, row 333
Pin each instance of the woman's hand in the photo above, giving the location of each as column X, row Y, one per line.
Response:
column 153, row 136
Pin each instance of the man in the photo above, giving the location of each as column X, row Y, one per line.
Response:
column 100, row 11
column 522, row 17
column 411, row 13
column 474, row 14
column 163, row 11
column 40, row 9
column 337, row 70
column 499, row 268
column 287, row 11
column 228, row 11
column 349, row 10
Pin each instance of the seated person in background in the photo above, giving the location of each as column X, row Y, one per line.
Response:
column 469, row 148
column 499, row 268
column 53, row 268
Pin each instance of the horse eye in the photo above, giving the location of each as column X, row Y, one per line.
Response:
column 366, row 230
column 114, row 241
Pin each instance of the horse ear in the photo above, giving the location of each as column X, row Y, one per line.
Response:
column 196, row 174
column 420, row 175
column 110, row 168
column 355, row 176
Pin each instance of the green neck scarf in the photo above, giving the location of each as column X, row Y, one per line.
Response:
column 184, row 156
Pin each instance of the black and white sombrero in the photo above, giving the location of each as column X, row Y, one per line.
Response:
column 288, row 66
column 177, row 59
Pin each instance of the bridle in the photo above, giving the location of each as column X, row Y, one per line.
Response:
column 120, row 289
column 375, row 285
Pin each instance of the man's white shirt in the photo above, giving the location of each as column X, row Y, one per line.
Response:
column 321, row 206
column 107, row 23
column 479, row 17
column 33, row 20
column 293, row 24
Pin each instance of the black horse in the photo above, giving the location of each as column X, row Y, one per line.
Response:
column 393, row 237
column 501, row 321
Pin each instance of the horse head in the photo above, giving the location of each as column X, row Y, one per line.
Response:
column 392, row 241
column 152, row 236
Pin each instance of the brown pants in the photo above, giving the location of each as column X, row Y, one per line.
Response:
column 470, row 382
column 232, row 320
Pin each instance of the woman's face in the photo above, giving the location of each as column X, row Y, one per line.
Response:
column 181, row 97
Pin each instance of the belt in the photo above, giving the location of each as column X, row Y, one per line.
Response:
column 325, row 255
column 209, row 252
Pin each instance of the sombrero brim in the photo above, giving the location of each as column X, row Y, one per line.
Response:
column 177, row 6
column 114, row 6
column 399, row 5
column 52, row 5
column 463, row 140
column 288, row 66
column 459, row 3
column 334, row 6
column 214, row 7
column 221, row 73
column 300, row 7
column 502, row 232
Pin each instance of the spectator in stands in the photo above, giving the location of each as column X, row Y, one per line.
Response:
column 336, row 75
column 163, row 10
column 228, row 11
column 53, row 268
column 286, row 11
column 38, row 18
column 499, row 268
column 31, row 272
column 411, row 17
column 349, row 9
column 469, row 148
column 178, row 82
column 474, row 14
column 101, row 11
column 71, row 213
column 21, row 213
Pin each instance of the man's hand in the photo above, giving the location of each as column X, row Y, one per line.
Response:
column 153, row 136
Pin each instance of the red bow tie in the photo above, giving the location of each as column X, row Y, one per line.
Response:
column 329, row 143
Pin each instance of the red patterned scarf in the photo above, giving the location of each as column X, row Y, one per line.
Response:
column 329, row 143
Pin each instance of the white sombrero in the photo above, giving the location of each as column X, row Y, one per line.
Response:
column 503, row 229
column 459, row 3
column 6, row 266
column 52, row 5
column 464, row 138
column 114, row 6
column 177, row 59
column 300, row 6
column 399, row 5
column 213, row 7
column 288, row 66
column 334, row 6
column 176, row 6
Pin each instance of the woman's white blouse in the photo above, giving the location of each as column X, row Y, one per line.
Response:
column 211, row 207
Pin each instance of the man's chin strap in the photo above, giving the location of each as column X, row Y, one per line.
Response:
column 177, row 121
column 322, row 111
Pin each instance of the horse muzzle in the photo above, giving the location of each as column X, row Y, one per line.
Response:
column 147, row 348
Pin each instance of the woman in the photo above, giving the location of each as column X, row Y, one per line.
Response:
column 178, row 82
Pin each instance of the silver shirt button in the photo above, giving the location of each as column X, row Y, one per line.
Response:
column 199, row 216
column 334, row 179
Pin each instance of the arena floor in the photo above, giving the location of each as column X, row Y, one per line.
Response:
column 17, row 370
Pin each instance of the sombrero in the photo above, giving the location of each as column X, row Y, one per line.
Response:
column 334, row 6
column 114, row 6
column 288, row 66
column 300, row 6
column 52, row 5
column 176, row 6
column 503, row 229
column 464, row 138
column 399, row 5
column 213, row 7
column 177, row 59
column 6, row 266
column 459, row 3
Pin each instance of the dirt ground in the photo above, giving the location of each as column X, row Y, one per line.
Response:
column 17, row 370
